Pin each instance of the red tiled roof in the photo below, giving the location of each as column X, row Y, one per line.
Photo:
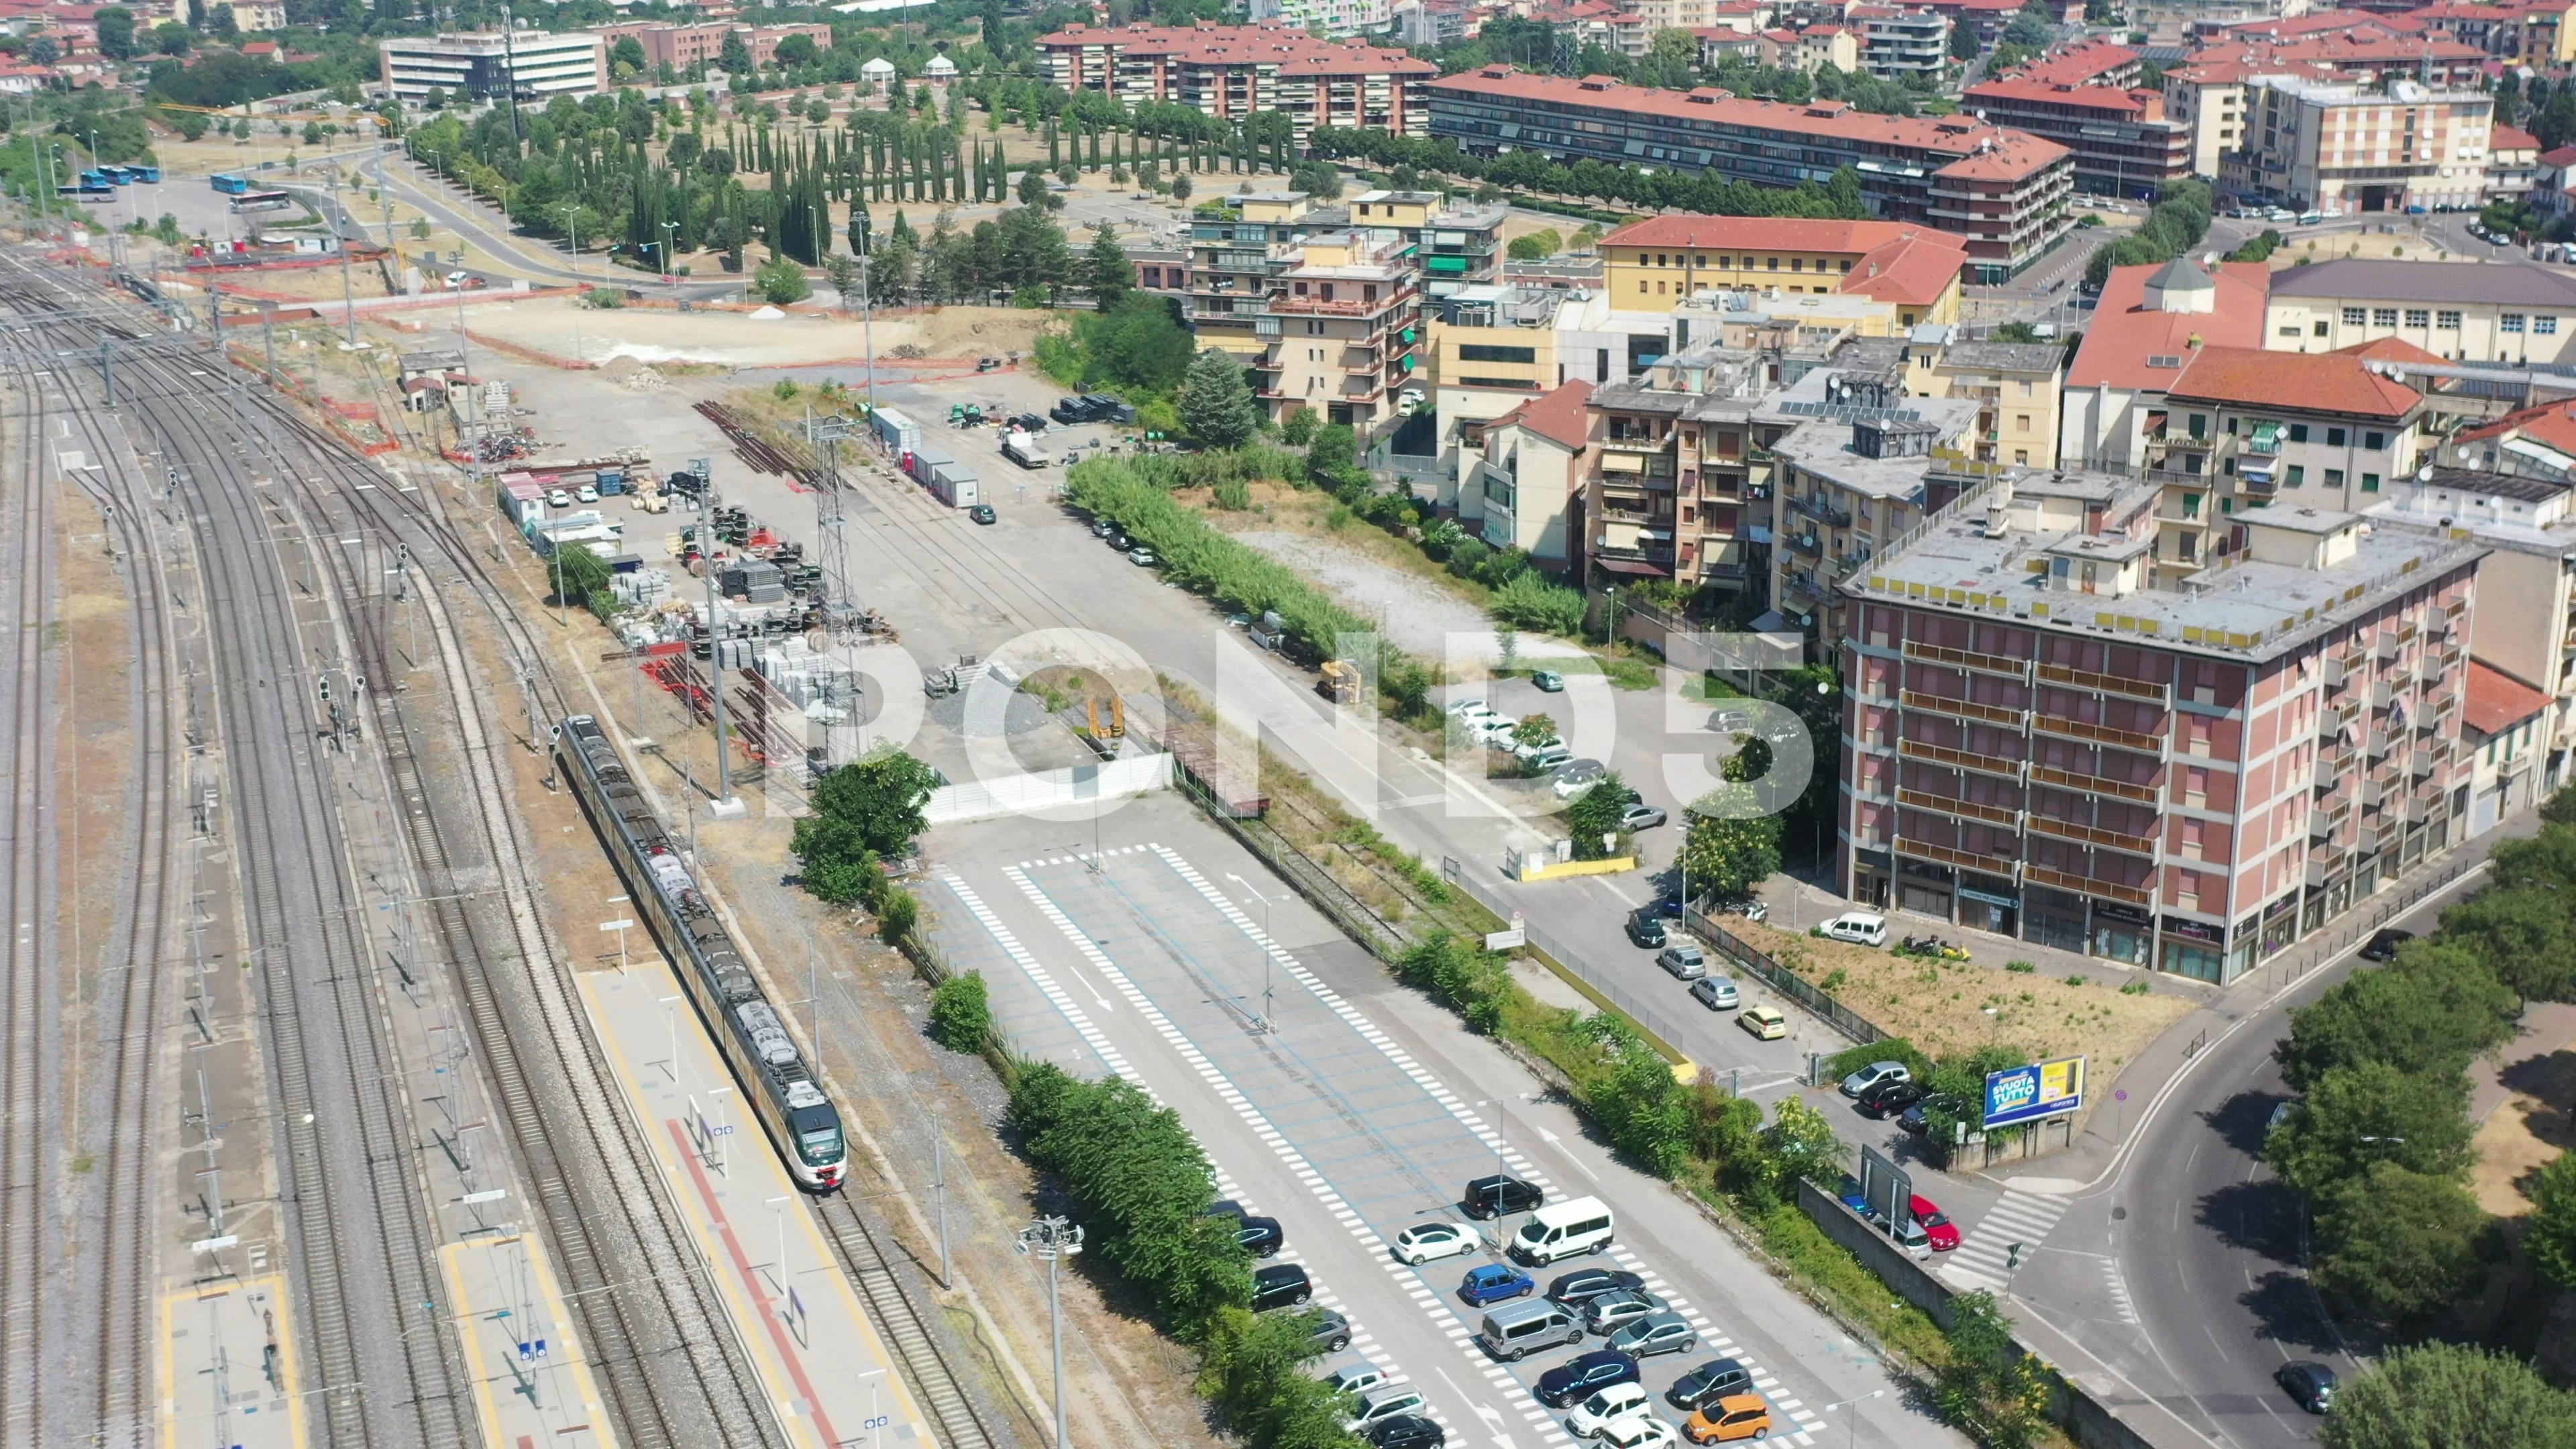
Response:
column 2497, row 701
column 2389, row 349
column 1269, row 42
column 2511, row 138
column 1557, row 416
column 2311, row 382
column 2109, row 99
column 1909, row 271
column 2551, row 423
column 2123, row 334
column 1768, row 233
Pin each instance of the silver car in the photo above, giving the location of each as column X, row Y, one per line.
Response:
column 1684, row 961
column 1665, row 1332
column 1613, row 1311
column 1717, row 993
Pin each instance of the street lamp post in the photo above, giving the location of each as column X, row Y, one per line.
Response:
column 1053, row 1239
column 1854, row 1436
column 1267, row 1024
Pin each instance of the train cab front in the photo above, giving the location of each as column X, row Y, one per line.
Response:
column 821, row 1154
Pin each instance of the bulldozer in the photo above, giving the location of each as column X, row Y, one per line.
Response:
column 1341, row 682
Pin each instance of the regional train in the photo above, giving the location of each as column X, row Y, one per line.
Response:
column 773, row 1077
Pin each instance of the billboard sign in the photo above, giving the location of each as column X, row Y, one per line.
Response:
column 2025, row 1094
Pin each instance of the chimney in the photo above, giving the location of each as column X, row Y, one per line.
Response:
column 1999, row 507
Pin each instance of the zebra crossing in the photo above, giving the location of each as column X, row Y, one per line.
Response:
column 1984, row 1257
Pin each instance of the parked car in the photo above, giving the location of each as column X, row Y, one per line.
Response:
column 1656, row 1333
column 558, row 499
column 1612, row 1311
column 1937, row 1227
column 1332, row 1331
column 983, row 513
column 1423, row 1242
column 1852, row 1197
column 1262, row 1237
column 1582, row 1286
column 1382, row 1406
column 1142, row 558
column 1861, row 927
column 1466, row 704
column 1642, row 817
column 1359, row 1378
column 1494, row 1282
column 1875, row 1073
column 1583, row 1375
column 586, row 494
column 1280, row 1285
column 1715, row 1379
column 1645, row 928
column 1407, row 1431
column 2385, row 944
column 1592, row 1415
column 2282, row 1112
column 1717, row 993
column 1643, row 1431
column 1102, row 528
column 2311, row 1386
column 1497, row 1196
column 1890, row 1097
column 1682, row 961
column 1576, row 776
column 1914, row 1117
column 1764, row 1022
column 1730, row 721
column 1547, row 681
column 1737, row 1416
column 1542, row 758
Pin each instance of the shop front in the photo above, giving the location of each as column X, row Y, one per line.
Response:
column 1870, row 879
column 1924, row 888
column 2195, row 949
column 2122, row 933
column 2054, row 918
column 1988, row 903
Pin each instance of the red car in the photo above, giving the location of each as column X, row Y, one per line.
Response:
column 1942, row 1233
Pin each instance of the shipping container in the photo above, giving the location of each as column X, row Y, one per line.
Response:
column 955, row 485
column 924, row 460
column 899, row 433
column 611, row 481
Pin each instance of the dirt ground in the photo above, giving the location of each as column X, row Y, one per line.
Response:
column 733, row 339
column 2402, row 245
column 2529, row 1111
column 1952, row 1007
column 94, row 765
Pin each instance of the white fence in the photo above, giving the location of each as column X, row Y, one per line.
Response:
column 1048, row 789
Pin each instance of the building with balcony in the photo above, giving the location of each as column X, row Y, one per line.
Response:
column 1527, row 475
column 1671, row 492
column 2123, row 142
column 2529, row 524
column 2145, row 327
column 1896, row 44
column 2042, row 745
column 2015, row 386
column 1490, row 349
column 1653, row 265
column 2505, row 725
column 1339, row 335
column 684, row 47
column 2333, row 145
column 2514, row 312
column 1240, row 245
column 530, row 65
column 2534, row 442
column 2004, row 193
column 1234, row 71
column 1454, row 246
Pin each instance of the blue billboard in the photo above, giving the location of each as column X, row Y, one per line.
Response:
column 2043, row 1089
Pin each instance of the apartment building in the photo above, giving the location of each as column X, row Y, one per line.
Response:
column 683, row 47
column 2244, row 429
column 2044, row 746
column 2533, row 35
column 1328, row 17
column 1233, row 71
column 1857, row 463
column 2015, row 386
column 1240, row 246
column 1528, row 475
column 2144, row 329
column 2513, row 163
column 529, row 65
column 2513, row 312
column 2527, row 633
column 2327, row 144
column 2533, row 442
column 1669, row 492
column 1456, row 246
column 1897, row 44
column 2123, row 142
column 2004, row 193
column 1656, row 263
column 2207, row 98
column 1340, row 337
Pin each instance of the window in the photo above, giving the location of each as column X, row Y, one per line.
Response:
column 1775, row 263
column 2021, row 456
column 2334, row 437
column 2355, row 316
column 2298, row 475
column 2374, row 441
column 2199, row 425
column 2021, row 422
column 2545, row 326
column 1482, row 352
column 2509, row 322
column 2334, row 477
column 2383, row 316
column 2419, row 317
column 2025, row 387
column 2298, row 432
column 1641, row 286
column 2321, row 328
column 2191, row 505
column 2292, row 330
column 1797, row 264
column 1726, row 261
column 1601, row 356
column 2369, row 482
column 2447, row 321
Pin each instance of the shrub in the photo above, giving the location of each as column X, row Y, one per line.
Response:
column 961, row 1018
column 1530, row 602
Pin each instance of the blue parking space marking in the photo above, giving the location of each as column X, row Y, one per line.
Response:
column 1048, row 1025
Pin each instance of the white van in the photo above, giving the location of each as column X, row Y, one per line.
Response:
column 1521, row 1329
column 1860, row 926
column 1562, row 1230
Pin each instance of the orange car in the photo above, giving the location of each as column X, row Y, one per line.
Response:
column 1737, row 1416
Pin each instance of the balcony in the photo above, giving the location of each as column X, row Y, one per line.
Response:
column 1960, row 809
column 2380, row 744
column 2181, row 478
column 2094, row 835
column 2383, row 693
column 2375, row 792
column 2257, row 485
column 2418, row 810
column 2105, row 683
column 1821, row 511
column 1806, row 543
column 1960, row 759
column 1968, row 659
column 2262, row 444
column 2385, row 646
column 2329, row 774
column 1964, row 709
column 1926, row 850
column 2087, row 885
column 2338, row 671
column 2076, row 729
column 2424, row 760
column 1340, row 306
column 2092, row 784
column 2324, row 823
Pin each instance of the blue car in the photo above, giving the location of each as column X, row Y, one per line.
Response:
column 1852, row 1198
column 1494, row 1282
column 1578, row 1377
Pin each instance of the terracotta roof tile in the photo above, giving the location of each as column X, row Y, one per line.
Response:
column 2497, row 701
column 2310, row 382
column 2124, row 337
column 1557, row 416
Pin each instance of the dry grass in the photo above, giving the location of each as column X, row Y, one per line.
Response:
column 1950, row 1008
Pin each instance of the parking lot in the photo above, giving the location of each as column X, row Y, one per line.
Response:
column 1348, row 1108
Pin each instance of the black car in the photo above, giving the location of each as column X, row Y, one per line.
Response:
column 1714, row 1380
column 1646, row 929
column 1261, row 1237
column 2310, row 1385
column 1890, row 1097
column 1913, row 1120
column 2385, row 944
column 1497, row 1196
column 1407, row 1431
column 983, row 513
column 1579, row 1376
column 1585, row 1284
column 1332, row 1331
column 1280, row 1285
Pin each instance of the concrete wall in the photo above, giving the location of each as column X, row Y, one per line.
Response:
column 1048, row 789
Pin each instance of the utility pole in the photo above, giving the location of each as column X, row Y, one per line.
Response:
column 724, row 804
column 348, row 296
column 1053, row 1239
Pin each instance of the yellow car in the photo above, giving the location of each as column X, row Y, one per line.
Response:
column 1763, row 1022
column 1738, row 1416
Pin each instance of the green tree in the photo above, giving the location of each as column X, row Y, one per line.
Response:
column 1460, row 975
column 2016, row 332
column 2372, row 1112
column 842, row 270
column 1298, row 429
column 1033, row 188
column 1330, row 451
column 881, row 796
column 1216, row 406
column 2433, row 1009
column 1319, row 179
column 2398, row 1245
column 835, row 863
column 1181, row 187
column 2448, row 1396
column 115, row 32
column 172, row 38
column 2524, row 933
column 577, row 571
column 1254, row 1372
column 1106, row 272
column 628, row 52
column 1963, row 42
column 2550, row 1236
column 794, row 50
column 961, row 1016
column 1728, row 856
column 1990, row 1386
column 1593, row 818
column 734, row 59
column 781, row 280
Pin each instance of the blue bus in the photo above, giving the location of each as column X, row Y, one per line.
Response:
column 94, row 177
column 231, row 185
column 148, row 175
column 117, row 175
